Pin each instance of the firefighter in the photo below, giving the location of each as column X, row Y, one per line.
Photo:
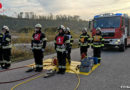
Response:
column 38, row 45
column 84, row 41
column 6, row 48
column 61, row 46
column 1, row 38
column 97, row 44
column 68, row 34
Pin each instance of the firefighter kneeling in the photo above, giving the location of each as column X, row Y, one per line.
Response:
column 97, row 44
column 38, row 46
column 61, row 46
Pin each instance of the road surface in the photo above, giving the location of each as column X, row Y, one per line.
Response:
column 113, row 74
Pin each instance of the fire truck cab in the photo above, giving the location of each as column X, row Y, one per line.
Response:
column 115, row 29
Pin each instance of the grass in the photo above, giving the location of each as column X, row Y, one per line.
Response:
column 22, row 37
column 26, row 37
column 20, row 54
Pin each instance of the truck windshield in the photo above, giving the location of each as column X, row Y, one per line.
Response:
column 107, row 22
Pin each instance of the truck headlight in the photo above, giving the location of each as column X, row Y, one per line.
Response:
column 118, row 40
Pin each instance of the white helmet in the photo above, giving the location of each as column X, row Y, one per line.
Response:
column 6, row 28
column 98, row 28
column 38, row 26
column 84, row 29
column 67, row 29
column 61, row 27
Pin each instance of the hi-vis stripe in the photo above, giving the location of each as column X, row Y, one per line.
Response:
column 83, row 44
column 8, row 39
column 83, row 36
column 4, row 61
column 60, row 50
column 39, row 65
column 36, row 47
column 62, row 67
column 1, row 35
column 44, row 39
column 67, row 41
column 6, row 47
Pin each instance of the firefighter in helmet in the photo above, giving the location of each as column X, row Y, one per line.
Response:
column 97, row 44
column 5, row 48
column 38, row 45
column 68, row 34
column 84, row 41
column 1, row 53
column 61, row 46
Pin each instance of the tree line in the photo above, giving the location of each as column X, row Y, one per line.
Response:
column 27, row 20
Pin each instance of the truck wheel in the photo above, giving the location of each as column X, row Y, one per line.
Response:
column 122, row 48
column 2, row 65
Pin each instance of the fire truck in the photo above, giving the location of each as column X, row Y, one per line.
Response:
column 115, row 29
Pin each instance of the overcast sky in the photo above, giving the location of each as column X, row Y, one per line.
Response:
column 84, row 8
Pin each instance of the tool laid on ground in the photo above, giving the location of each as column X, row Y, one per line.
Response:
column 34, row 68
column 31, row 70
column 50, row 73
column 53, row 71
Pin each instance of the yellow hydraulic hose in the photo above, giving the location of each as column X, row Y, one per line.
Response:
column 78, row 79
column 27, row 81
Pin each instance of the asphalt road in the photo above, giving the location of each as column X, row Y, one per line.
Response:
column 113, row 73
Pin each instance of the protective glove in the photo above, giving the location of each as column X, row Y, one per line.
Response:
column 66, row 52
column 32, row 49
column 43, row 50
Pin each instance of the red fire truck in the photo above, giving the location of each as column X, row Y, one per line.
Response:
column 115, row 29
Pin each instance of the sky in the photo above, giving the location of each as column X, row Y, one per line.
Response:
column 86, row 9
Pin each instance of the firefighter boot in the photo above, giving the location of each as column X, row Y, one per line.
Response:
column 38, row 69
column 63, row 71
column 7, row 66
column 2, row 65
column 69, row 61
column 60, row 71
column 99, row 61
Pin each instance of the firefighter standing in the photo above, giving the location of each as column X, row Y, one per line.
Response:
column 1, row 38
column 98, row 43
column 6, row 48
column 38, row 47
column 61, row 47
column 67, row 33
column 84, row 41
